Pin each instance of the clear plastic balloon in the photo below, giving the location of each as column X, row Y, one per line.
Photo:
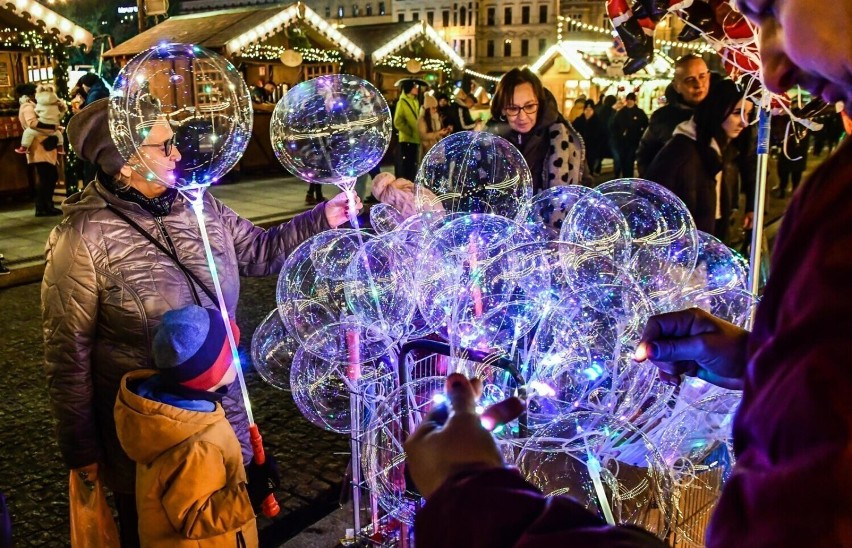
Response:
column 322, row 389
column 330, row 129
column 311, row 296
column 475, row 172
column 272, row 351
column 384, row 218
column 596, row 222
column 188, row 97
column 579, row 455
column 468, row 286
column 717, row 268
column 551, row 206
column 663, row 234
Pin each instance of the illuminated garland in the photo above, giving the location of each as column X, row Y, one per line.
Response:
column 483, row 76
column 579, row 25
column 20, row 39
column 273, row 53
column 429, row 65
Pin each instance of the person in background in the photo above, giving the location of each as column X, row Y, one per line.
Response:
column 790, row 486
column 78, row 98
column 689, row 87
column 594, row 135
column 627, row 128
column 526, row 114
column 444, row 109
column 44, row 160
column 405, row 122
column 692, row 163
column 429, row 124
column 3, row 268
column 577, row 108
column 606, row 113
column 128, row 251
column 793, row 156
column 170, row 421
column 460, row 117
column 93, row 86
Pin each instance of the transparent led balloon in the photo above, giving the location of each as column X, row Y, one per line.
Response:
column 180, row 115
column 551, row 206
column 322, row 389
column 663, row 235
column 384, row 218
column 468, row 285
column 311, row 296
column 272, row 351
column 718, row 267
column 596, row 222
column 578, row 455
column 475, row 172
column 330, row 129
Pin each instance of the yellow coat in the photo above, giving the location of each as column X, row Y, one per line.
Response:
column 190, row 480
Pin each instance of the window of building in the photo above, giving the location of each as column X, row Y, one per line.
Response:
column 470, row 16
column 369, row 9
column 470, row 46
column 328, row 12
column 401, row 18
column 525, row 48
column 356, row 10
column 341, row 11
column 507, row 16
column 445, row 16
column 463, row 16
column 455, row 17
column 542, row 14
column 507, row 48
column 525, row 15
column 492, row 17
column 415, row 16
column 461, row 48
column 381, row 8
column 489, row 48
column 430, row 18
column 542, row 45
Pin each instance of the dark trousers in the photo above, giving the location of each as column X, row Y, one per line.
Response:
column 627, row 158
column 128, row 520
column 406, row 162
column 315, row 190
column 720, row 230
column 48, row 175
column 785, row 174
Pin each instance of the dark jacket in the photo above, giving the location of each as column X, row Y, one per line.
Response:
column 662, row 124
column 97, row 91
column 682, row 168
column 460, row 117
column 628, row 126
column 553, row 149
column 594, row 135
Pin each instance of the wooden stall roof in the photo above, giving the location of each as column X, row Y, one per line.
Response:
column 228, row 30
column 31, row 15
column 385, row 39
column 372, row 37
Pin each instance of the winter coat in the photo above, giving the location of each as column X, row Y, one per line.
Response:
column 661, row 126
column 97, row 91
column 106, row 288
column 190, row 480
column 628, row 126
column 429, row 137
column 36, row 153
column 680, row 168
column 49, row 107
column 553, row 149
column 460, row 117
column 594, row 135
column 405, row 119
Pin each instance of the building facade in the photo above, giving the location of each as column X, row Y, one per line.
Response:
column 513, row 33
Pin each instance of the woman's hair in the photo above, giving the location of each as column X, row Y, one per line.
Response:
column 610, row 100
column 27, row 89
column 506, row 90
column 710, row 113
column 89, row 79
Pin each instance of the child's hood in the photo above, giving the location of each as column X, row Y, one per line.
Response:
column 46, row 95
column 147, row 428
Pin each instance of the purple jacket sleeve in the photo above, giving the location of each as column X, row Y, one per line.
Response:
column 497, row 508
column 262, row 252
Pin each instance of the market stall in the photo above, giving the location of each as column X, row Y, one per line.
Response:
column 33, row 39
column 276, row 47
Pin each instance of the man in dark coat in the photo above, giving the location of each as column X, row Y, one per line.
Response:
column 594, row 135
column 627, row 129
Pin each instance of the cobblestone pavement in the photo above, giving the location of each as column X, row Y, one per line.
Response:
column 35, row 482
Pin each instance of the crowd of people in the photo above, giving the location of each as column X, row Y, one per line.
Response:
column 134, row 340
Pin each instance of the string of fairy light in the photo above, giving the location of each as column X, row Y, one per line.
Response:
column 24, row 39
column 426, row 64
column 576, row 25
column 263, row 52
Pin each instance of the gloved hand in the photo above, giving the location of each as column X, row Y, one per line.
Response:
column 263, row 479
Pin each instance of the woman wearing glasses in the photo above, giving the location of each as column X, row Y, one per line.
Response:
column 526, row 114
column 127, row 251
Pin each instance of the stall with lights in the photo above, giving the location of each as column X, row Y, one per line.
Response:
column 276, row 46
column 33, row 42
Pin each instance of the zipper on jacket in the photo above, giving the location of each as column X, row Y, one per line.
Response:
column 165, row 233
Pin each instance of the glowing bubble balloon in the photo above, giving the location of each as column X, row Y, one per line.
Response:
column 475, row 172
column 551, row 206
column 272, row 351
column 384, row 218
column 596, row 222
column 663, row 235
column 322, row 389
column 311, row 296
column 189, row 98
column 330, row 129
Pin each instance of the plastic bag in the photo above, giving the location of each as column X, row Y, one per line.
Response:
column 92, row 524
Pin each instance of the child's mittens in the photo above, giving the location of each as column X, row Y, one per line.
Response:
column 263, row 479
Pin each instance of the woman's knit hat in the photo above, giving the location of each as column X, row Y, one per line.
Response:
column 88, row 133
column 191, row 347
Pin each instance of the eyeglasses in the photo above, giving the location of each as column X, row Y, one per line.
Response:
column 693, row 81
column 514, row 110
column 168, row 145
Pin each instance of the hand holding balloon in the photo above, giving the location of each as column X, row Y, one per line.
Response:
column 697, row 344
column 337, row 209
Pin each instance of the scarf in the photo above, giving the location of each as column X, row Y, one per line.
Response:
column 159, row 206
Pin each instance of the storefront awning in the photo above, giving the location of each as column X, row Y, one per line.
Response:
column 43, row 17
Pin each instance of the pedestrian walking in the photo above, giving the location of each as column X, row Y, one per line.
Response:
column 591, row 128
column 405, row 122
column 41, row 154
column 628, row 126
column 429, row 124
column 606, row 112
column 793, row 156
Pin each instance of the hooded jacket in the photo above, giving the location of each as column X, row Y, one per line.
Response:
column 661, row 126
column 105, row 289
column 553, row 149
column 405, row 119
column 190, row 480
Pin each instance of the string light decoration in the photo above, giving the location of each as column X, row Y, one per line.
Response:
column 426, row 64
column 481, row 76
column 581, row 26
column 262, row 52
column 65, row 30
column 411, row 34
